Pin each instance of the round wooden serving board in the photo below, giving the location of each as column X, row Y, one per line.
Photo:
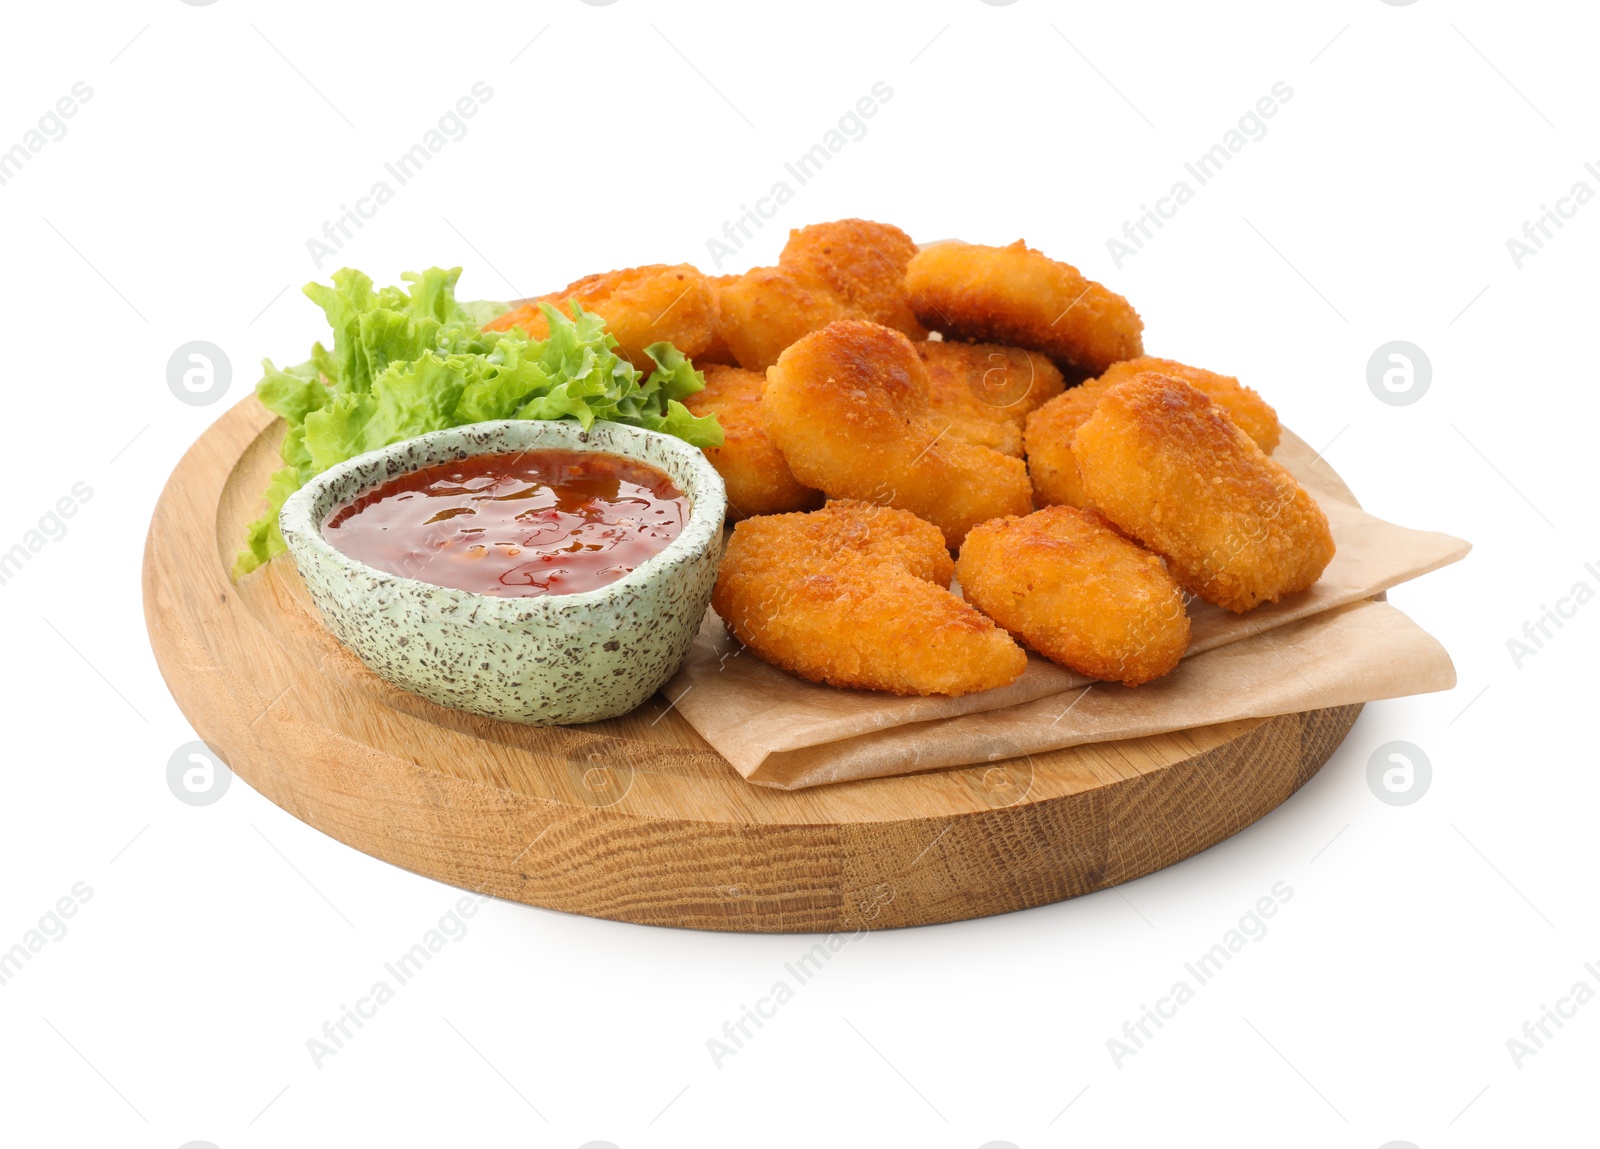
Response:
column 637, row 818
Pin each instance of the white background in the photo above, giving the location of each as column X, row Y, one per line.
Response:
column 218, row 940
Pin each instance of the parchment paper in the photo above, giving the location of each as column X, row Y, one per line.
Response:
column 1327, row 646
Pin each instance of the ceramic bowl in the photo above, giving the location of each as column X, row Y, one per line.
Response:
column 546, row 660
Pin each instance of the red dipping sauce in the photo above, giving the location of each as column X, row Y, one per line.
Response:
column 515, row 525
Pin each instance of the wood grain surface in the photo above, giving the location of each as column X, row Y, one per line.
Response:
column 636, row 818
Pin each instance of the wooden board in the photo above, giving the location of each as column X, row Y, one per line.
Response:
column 637, row 818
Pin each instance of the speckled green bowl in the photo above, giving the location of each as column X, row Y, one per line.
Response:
column 553, row 659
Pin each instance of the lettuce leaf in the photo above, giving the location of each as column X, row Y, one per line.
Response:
column 675, row 379
column 413, row 359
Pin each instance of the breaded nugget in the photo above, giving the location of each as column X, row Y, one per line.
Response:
column 856, row 595
column 641, row 306
column 1018, row 296
column 1050, row 430
column 1047, row 441
column 849, row 269
column 985, row 391
column 865, row 265
column 871, row 530
column 1254, row 415
column 759, row 481
column 718, row 351
column 1080, row 594
column 848, row 406
column 1168, row 466
column 768, row 308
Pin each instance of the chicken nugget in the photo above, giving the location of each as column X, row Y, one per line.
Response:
column 849, row 408
column 1169, row 467
column 870, row 529
column 1047, row 440
column 718, row 350
column 1018, row 296
column 1067, row 585
column 855, row 595
column 1049, row 433
column 768, row 308
column 1254, row 415
column 985, row 391
column 849, row 269
column 759, row 482
column 641, row 306
column 865, row 265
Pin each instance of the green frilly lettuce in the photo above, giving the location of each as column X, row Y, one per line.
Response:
column 410, row 360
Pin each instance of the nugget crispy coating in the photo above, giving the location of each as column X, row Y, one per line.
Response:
column 1168, row 466
column 867, row 529
column 985, row 391
column 768, row 308
column 641, row 306
column 1047, row 441
column 848, row 406
column 1018, row 296
column 1070, row 587
column 1244, row 405
column 1048, row 438
column 759, row 482
column 718, row 350
column 855, row 595
column 849, row 269
column 865, row 265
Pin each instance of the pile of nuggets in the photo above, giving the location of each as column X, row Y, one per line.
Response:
column 885, row 407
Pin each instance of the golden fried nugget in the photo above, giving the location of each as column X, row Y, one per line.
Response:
column 870, row 529
column 1047, row 441
column 641, row 306
column 849, row 269
column 759, row 482
column 865, row 265
column 1066, row 584
column 1169, row 467
column 849, row 408
column 985, row 391
column 856, row 595
column 1050, row 430
column 1018, row 296
column 718, row 351
column 768, row 308
column 1254, row 415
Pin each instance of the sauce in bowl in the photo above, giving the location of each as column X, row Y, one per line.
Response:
column 515, row 525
